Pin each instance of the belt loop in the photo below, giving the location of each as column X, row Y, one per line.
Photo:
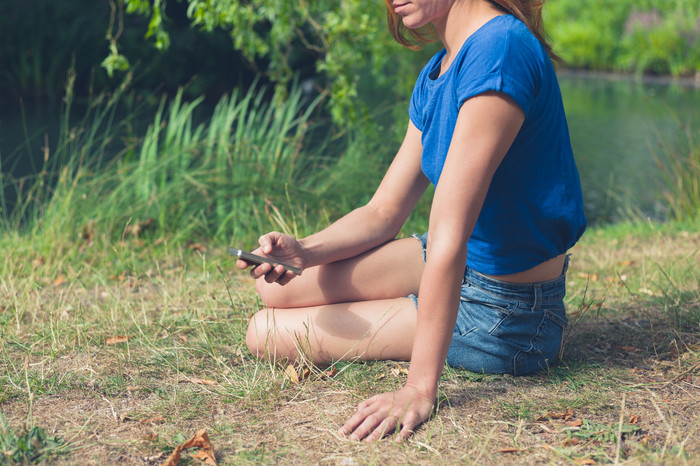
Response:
column 538, row 297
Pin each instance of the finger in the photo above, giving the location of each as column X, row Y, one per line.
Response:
column 407, row 428
column 260, row 271
column 286, row 278
column 266, row 243
column 369, row 424
column 241, row 264
column 387, row 427
column 351, row 424
column 405, row 433
column 274, row 274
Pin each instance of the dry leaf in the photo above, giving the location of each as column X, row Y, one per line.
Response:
column 508, row 450
column 329, row 373
column 199, row 381
column 625, row 263
column 575, row 423
column 151, row 437
column 291, row 373
column 568, row 414
column 296, row 375
column 117, row 339
column 627, row 348
column 183, row 338
column 634, row 419
column 201, row 441
column 60, row 280
column 584, row 461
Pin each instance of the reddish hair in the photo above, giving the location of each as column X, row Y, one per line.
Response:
column 527, row 11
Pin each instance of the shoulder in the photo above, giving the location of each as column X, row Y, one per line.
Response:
column 505, row 41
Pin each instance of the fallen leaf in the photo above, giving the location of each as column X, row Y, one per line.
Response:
column 627, row 348
column 151, row 437
column 625, row 263
column 584, row 461
column 398, row 370
column 633, row 419
column 60, row 280
column 116, row 339
column 568, row 414
column 508, row 450
column 199, row 381
column 296, row 375
column 183, row 338
column 575, row 423
column 329, row 373
column 291, row 373
column 201, row 441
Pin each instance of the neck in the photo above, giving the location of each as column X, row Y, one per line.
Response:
column 463, row 19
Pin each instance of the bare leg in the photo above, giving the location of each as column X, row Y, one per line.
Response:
column 391, row 270
column 365, row 330
column 351, row 309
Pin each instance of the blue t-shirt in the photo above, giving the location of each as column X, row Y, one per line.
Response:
column 533, row 210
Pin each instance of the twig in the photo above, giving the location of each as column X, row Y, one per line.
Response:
column 619, row 430
column 681, row 375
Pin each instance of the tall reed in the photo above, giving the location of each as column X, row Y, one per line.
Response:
column 188, row 177
column 680, row 173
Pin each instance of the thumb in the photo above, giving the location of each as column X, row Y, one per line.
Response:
column 266, row 242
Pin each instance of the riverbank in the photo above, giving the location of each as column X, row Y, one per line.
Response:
column 120, row 354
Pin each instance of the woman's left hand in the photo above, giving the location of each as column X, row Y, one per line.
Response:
column 401, row 411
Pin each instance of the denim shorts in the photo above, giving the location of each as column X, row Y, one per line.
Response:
column 506, row 328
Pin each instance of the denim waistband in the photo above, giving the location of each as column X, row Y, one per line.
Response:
column 550, row 290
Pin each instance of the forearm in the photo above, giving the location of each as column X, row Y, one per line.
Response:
column 437, row 312
column 358, row 231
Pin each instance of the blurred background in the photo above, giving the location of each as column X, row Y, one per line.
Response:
column 200, row 115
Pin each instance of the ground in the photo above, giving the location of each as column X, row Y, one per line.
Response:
column 124, row 369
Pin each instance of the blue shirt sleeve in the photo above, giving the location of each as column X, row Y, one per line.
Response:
column 500, row 60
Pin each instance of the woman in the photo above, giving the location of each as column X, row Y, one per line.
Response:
column 487, row 127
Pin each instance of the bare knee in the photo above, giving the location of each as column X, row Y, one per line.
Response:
column 258, row 333
column 273, row 294
column 265, row 341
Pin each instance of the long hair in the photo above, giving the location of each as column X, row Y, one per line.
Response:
column 527, row 11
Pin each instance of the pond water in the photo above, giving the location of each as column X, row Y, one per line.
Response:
column 619, row 128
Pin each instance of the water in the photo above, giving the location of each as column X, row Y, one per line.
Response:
column 617, row 125
column 619, row 128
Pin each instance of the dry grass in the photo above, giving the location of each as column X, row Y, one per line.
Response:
column 627, row 390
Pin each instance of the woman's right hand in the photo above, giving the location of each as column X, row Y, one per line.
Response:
column 281, row 247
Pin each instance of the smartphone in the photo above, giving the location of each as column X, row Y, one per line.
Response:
column 255, row 259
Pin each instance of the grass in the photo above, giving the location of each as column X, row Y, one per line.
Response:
column 628, row 379
column 122, row 319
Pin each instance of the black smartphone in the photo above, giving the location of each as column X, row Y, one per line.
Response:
column 255, row 259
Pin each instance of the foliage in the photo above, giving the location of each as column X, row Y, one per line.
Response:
column 254, row 163
column 28, row 446
column 626, row 35
column 336, row 44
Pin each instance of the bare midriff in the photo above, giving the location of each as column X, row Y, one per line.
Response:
column 548, row 270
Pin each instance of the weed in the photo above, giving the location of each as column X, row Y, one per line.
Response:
column 27, row 446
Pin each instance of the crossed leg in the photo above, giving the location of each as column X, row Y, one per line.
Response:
column 355, row 309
